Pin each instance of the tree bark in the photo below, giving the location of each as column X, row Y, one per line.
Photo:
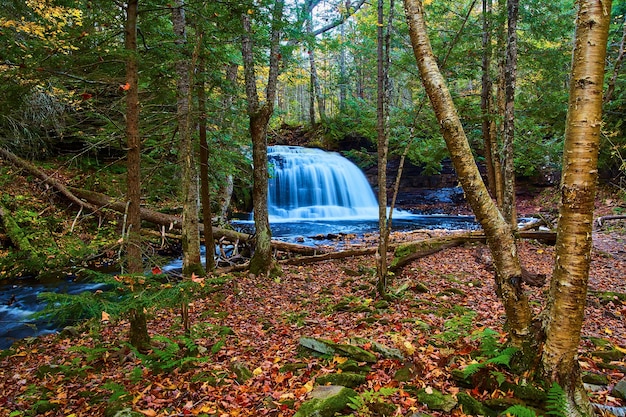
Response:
column 568, row 287
column 192, row 262
column 486, row 98
column 510, row 75
column 499, row 233
column 205, row 195
column 138, row 334
column 610, row 89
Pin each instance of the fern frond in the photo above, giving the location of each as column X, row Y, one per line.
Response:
column 556, row 401
column 504, row 358
column 471, row 369
column 519, row 411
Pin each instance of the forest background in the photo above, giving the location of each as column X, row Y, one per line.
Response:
column 67, row 88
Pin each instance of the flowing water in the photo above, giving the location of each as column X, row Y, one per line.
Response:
column 313, row 194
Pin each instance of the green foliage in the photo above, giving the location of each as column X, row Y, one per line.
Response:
column 556, row 401
column 121, row 294
column 167, row 355
column 492, row 353
column 519, row 411
column 119, row 393
column 365, row 404
column 456, row 327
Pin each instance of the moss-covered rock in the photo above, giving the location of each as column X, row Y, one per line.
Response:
column 472, row 406
column 609, row 355
column 345, row 379
column 326, row 401
column 328, row 347
column 387, row 352
column 353, row 366
column 595, row 379
column 436, row 400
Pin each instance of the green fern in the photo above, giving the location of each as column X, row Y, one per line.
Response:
column 489, row 341
column 556, row 402
column 519, row 411
column 491, row 351
column 168, row 357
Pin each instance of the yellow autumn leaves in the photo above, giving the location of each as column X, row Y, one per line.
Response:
column 49, row 23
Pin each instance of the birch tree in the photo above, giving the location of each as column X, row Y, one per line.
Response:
column 555, row 345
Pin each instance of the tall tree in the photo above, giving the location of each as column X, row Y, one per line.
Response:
column 486, row 98
column 383, row 40
column 138, row 324
column 192, row 262
column 564, row 315
column 510, row 75
column 259, row 115
column 205, row 196
column 568, row 287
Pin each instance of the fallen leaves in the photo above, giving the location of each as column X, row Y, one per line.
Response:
column 268, row 318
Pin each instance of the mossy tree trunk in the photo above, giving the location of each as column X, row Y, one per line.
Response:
column 568, row 287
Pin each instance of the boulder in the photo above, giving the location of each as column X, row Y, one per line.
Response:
column 326, row 401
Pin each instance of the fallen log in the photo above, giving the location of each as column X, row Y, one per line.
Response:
column 175, row 222
column 47, row 179
column 600, row 220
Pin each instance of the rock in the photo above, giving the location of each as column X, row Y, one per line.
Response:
column 595, row 379
column 619, row 390
column 406, row 373
column 326, row 401
column 328, row 347
column 345, row 379
column 387, row 352
column 472, row 406
column 608, row 355
column 353, row 366
column 436, row 400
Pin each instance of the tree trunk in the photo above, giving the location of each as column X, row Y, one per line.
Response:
column 510, row 75
column 205, row 195
column 568, row 288
column 616, row 66
column 261, row 262
column 499, row 233
column 192, row 262
column 486, row 99
column 138, row 333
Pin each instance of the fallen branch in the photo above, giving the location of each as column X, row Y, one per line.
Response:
column 175, row 222
column 62, row 189
column 600, row 220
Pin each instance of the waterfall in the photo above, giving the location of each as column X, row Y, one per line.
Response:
column 307, row 183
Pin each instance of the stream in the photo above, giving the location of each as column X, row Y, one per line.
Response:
column 19, row 301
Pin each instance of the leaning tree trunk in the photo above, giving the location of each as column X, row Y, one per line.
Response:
column 138, row 333
column 568, row 287
column 192, row 263
column 499, row 234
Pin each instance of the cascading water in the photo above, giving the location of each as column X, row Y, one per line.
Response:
column 307, row 183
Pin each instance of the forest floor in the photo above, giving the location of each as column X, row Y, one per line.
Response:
column 256, row 323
